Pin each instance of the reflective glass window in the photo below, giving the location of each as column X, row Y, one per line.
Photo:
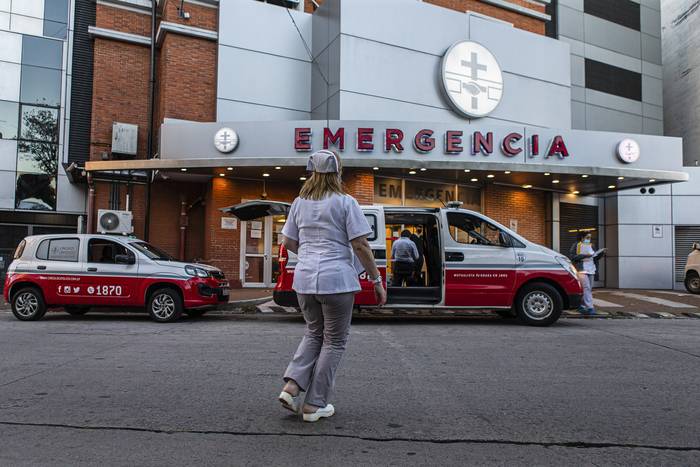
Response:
column 36, row 192
column 56, row 10
column 42, row 52
column 37, row 157
column 64, row 249
column 54, row 29
column 39, row 124
column 40, row 86
column 9, row 119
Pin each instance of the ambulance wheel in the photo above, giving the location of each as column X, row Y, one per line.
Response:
column 164, row 305
column 76, row 310
column 28, row 304
column 692, row 282
column 538, row 304
column 195, row 313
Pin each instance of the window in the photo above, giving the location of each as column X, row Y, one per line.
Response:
column 40, row 86
column 472, row 230
column 613, row 80
column 623, row 12
column 36, row 152
column 59, row 249
column 372, row 221
column 42, row 52
column 151, row 252
column 20, row 249
column 56, row 18
column 105, row 251
column 9, row 119
column 35, row 192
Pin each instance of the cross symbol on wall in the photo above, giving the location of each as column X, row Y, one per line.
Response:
column 629, row 147
column 225, row 138
column 474, row 66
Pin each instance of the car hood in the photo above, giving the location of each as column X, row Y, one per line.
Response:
column 181, row 265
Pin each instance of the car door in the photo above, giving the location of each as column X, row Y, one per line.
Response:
column 111, row 273
column 479, row 261
column 377, row 241
column 58, row 269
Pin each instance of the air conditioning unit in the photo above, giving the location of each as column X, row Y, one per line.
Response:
column 114, row 222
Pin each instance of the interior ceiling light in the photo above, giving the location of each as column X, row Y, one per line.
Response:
column 467, row 170
column 584, row 176
column 278, row 167
column 490, row 176
column 375, row 168
column 183, row 170
column 555, row 181
column 620, row 178
column 527, row 186
column 229, row 168
column 423, row 169
column 302, row 178
column 652, row 180
column 507, row 172
column 475, row 179
column 266, row 174
column 612, row 187
column 547, row 174
column 576, row 192
column 411, row 172
column 222, row 174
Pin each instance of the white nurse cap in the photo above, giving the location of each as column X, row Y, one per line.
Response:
column 323, row 161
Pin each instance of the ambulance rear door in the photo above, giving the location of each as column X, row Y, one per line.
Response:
column 377, row 241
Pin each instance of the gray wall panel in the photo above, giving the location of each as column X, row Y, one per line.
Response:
column 686, row 210
column 652, row 126
column 602, row 119
column 651, row 49
column 578, row 71
column 692, row 186
column 255, row 77
column 232, row 111
column 71, row 198
column 575, row 4
column 638, row 241
column 652, row 111
column 7, row 189
column 578, row 115
column 570, row 22
column 578, row 93
column 241, row 22
column 654, row 4
column 645, row 273
column 603, row 99
column 534, row 102
column 610, row 57
column 359, row 106
column 652, row 90
column 611, row 36
column 650, row 21
column 653, row 70
column 644, row 210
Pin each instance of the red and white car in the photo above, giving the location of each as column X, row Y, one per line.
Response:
column 77, row 272
column 471, row 262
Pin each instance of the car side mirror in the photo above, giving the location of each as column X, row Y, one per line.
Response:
column 124, row 259
column 696, row 246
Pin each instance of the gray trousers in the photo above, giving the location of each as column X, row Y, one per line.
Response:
column 587, row 286
column 318, row 355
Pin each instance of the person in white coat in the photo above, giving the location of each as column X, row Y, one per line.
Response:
column 585, row 254
column 326, row 228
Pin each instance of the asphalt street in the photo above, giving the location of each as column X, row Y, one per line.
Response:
column 121, row 390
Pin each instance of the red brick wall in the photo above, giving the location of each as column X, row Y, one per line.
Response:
column 519, row 21
column 526, row 206
column 360, row 184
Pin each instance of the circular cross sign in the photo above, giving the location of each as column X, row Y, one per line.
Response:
column 225, row 140
column 472, row 79
column 628, row 150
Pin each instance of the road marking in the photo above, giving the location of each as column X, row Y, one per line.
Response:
column 605, row 304
column 677, row 294
column 656, row 300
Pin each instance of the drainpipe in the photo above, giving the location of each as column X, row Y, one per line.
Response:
column 151, row 116
column 90, row 204
column 183, row 227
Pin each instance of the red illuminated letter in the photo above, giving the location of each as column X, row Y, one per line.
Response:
column 364, row 139
column 481, row 144
column 535, row 146
column 337, row 139
column 424, row 142
column 392, row 139
column 453, row 142
column 507, row 145
column 558, row 148
column 302, row 139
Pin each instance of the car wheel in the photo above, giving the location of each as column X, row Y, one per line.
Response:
column 76, row 310
column 539, row 304
column 165, row 305
column 692, row 283
column 28, row 304
column 195, row 313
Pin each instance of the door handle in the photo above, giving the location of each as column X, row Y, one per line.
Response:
column 454, row 256
column 42, row 267
column 92, row 269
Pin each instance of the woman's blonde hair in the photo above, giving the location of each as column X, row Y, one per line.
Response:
column 321, row 185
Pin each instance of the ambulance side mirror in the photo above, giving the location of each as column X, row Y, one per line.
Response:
column 124, row 259
column 696, row 246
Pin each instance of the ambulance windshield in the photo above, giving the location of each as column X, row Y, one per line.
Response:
column 151, row 252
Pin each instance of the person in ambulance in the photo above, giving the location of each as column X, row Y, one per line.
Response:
column 80, row 271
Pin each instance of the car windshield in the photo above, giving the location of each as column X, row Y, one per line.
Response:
column 151, row 252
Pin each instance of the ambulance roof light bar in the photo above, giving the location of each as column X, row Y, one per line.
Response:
column 454, row 204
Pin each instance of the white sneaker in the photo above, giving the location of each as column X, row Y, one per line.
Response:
column 322, row 412
column 290, row 402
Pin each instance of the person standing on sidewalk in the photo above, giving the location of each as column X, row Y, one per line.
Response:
column 585, row 264
column 327, row 229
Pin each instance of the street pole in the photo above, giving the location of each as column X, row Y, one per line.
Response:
column 151, row 117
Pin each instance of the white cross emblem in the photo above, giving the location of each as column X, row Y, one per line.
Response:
column 472, row 79
column 225, row 140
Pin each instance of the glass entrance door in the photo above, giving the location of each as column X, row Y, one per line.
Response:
column 260, row 240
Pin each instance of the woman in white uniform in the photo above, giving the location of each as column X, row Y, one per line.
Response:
column 586, row 271
column 326, row 229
